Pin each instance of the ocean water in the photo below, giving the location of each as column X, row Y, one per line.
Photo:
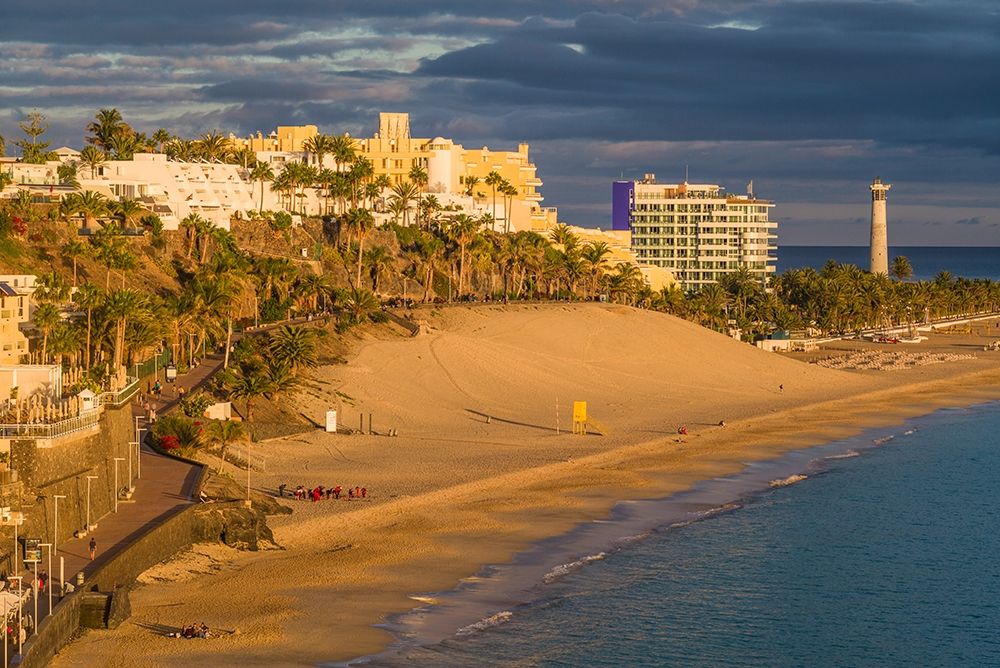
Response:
column 887, row 554
column 979, row 262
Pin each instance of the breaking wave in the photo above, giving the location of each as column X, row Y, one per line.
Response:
column 563, row 570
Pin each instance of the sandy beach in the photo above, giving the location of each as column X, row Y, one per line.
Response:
column 456, row 490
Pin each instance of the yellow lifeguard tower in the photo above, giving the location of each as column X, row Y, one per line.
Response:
column 580, row 417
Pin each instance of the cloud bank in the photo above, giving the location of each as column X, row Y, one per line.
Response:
column 810, row 99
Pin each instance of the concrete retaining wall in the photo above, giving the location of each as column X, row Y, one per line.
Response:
column 62, row 467
column 157, row 544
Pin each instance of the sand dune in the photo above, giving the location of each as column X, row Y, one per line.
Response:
column 453, row 492
column 635, row 369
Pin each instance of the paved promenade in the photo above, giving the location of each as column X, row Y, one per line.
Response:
column 166, row 486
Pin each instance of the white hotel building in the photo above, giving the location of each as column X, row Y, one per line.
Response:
column 697, row 231
column 173, row 190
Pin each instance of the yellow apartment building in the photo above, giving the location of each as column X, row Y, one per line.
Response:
column 13, row 312
column 393, row 152
column 287, row 138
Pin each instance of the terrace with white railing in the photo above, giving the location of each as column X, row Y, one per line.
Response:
column 44, row 421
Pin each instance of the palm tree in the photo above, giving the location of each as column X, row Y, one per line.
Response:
column 126, row 210
column 92, row 157
column 360, row 303
column 378, row 259
column 203, row 230
column 418, row 175
column 326, row 180
column 282, row 378
column 625, row 282
column 397, row 208
column 124, row 145
column 342, row 149
column 107, row 124
column 493, row 179
column 190, row 224
column 45, row 318
column 92, row 205
column 121, row 305
column 65, row 339
column 430, row 249
column 561, row 234
column 67, row 175
column 509, row 192
column 74, row 250
column 360, row 172
column 213, row 146
column 405, row 193
column 88, row 297
column 595, row 254
column 470, row 185
column 901, row 267
column 243, row 156
column 742, row 287
column 360, row 221
column 50, row 287
column 160, row 138
column 294, row 345
column 710, row 303
column 464, row 229
column 429, row 206
column 319, row 145
column 225, row 433
column 250, row 385
column 370, row 193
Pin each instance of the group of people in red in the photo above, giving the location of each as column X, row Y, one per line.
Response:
column 192, row 631
column 319, row 492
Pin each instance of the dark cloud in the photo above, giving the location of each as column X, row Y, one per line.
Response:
column 810, row 99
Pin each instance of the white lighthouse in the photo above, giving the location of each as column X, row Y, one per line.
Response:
column 880, row 235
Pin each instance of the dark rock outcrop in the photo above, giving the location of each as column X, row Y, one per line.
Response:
column 234, row 525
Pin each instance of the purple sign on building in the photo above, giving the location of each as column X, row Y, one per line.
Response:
column 621, row 204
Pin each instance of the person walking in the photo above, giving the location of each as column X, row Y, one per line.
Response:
column 93, row 548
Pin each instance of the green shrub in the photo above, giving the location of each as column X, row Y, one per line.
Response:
column 194, row 405
column 178, row 432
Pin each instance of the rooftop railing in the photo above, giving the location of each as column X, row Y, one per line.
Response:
column 85, row 420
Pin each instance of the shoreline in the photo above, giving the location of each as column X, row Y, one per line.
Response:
column 371, row 561
column 793, row 440
column 474, row 604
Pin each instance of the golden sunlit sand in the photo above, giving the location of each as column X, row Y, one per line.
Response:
column 454, row 490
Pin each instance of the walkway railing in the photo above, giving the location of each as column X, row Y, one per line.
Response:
column 119, row 397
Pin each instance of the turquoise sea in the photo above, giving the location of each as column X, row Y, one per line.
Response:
column 927, row 261
column 887, row 554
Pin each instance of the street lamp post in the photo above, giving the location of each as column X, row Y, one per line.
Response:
column 130, row 449
column 49, row 573
column 17, row 568
column 117, row 459
column 138, row 453
column 89, row 478
column 55, row 528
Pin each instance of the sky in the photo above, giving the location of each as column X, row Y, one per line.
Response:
column 809, row 99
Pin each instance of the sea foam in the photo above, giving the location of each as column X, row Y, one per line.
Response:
column 483, row 624
column 563, row 570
